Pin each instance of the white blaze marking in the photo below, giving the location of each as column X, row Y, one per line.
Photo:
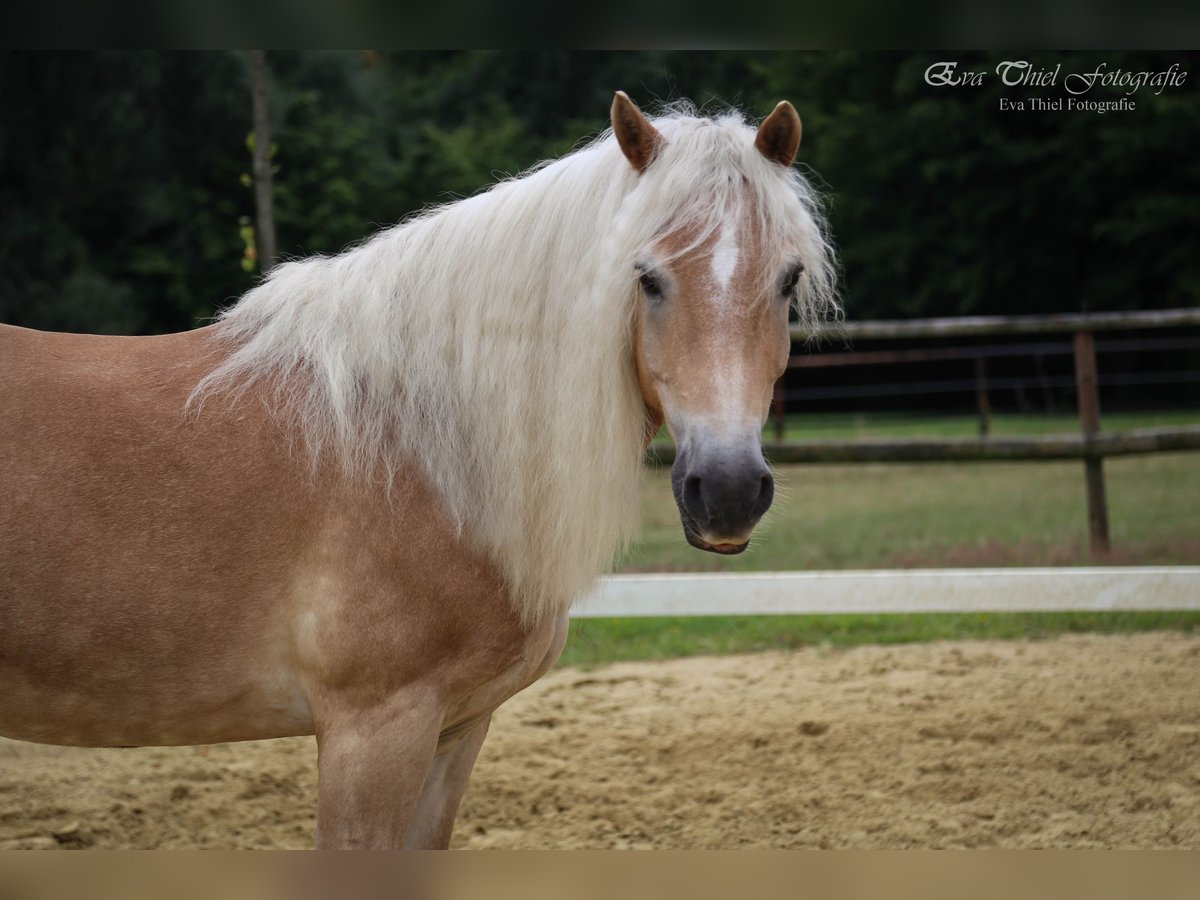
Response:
column 726, row 414
column 725, row 255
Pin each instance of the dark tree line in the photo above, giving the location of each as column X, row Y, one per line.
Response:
column 126, row 203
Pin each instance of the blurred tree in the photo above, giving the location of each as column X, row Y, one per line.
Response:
column 118, row 189
column 261, row 150
column 122, row 206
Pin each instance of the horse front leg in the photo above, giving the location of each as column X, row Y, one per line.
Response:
column 372, row 765
column 433, row 820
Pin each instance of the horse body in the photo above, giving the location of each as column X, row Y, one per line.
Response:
column 177, row 580
column 208, row 522
column 281, row 525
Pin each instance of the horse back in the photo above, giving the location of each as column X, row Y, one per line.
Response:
column 135, row 539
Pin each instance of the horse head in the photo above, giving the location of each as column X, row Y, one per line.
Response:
column 715, row 285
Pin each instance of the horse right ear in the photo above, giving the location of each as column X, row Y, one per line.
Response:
column 640, row 141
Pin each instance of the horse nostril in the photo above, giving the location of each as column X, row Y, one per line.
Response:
column 766, row 493
column 693, row 497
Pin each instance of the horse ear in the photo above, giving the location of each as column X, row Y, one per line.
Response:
column 778, row 136
column 640, row 141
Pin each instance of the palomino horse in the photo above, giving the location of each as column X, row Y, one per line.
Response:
column 361, row 503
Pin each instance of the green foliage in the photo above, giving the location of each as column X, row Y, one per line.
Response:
column 250, row 245
column 123, row 174
column 118, row 189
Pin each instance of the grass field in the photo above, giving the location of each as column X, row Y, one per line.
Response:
column 945, row 514
column 913, row 515
column 860, row 425
column 599, row 641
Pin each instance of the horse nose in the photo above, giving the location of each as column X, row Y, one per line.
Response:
column 726, row 498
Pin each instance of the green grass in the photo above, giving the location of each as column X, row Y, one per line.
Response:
column 598, row 641
column 907, row 515
column 850, row 425
column 945, row 514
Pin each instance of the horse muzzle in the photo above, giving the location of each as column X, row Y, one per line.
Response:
column 722, row 491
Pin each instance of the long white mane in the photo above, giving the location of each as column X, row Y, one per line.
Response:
column 490, row 340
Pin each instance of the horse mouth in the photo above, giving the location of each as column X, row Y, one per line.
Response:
column 723, row 548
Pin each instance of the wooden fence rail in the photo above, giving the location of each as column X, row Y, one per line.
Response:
column 1043, row 448
column 967, row 326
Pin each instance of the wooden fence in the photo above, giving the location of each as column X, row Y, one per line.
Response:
column 1091, row 445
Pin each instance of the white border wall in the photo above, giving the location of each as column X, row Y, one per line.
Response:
column 895, row 591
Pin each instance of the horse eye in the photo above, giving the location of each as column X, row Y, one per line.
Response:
column 650, row 285
column 792, row 279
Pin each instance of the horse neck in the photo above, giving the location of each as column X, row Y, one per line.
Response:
column 515, row 339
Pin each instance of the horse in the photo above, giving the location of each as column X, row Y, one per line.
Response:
column 360, row 502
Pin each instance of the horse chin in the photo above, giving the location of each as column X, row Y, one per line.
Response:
column 722, row 549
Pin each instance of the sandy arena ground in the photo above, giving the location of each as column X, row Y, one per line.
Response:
column 1073, row 742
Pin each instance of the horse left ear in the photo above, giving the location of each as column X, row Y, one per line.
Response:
column 640, row 141
column 778, row 136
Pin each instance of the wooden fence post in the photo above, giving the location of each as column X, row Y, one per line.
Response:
column 1088, row 390
column 981, row 397
column 778, row 413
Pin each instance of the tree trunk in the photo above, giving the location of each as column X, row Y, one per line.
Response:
column 263, row 198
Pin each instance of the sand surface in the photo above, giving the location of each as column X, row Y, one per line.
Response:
column 1073, row 742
